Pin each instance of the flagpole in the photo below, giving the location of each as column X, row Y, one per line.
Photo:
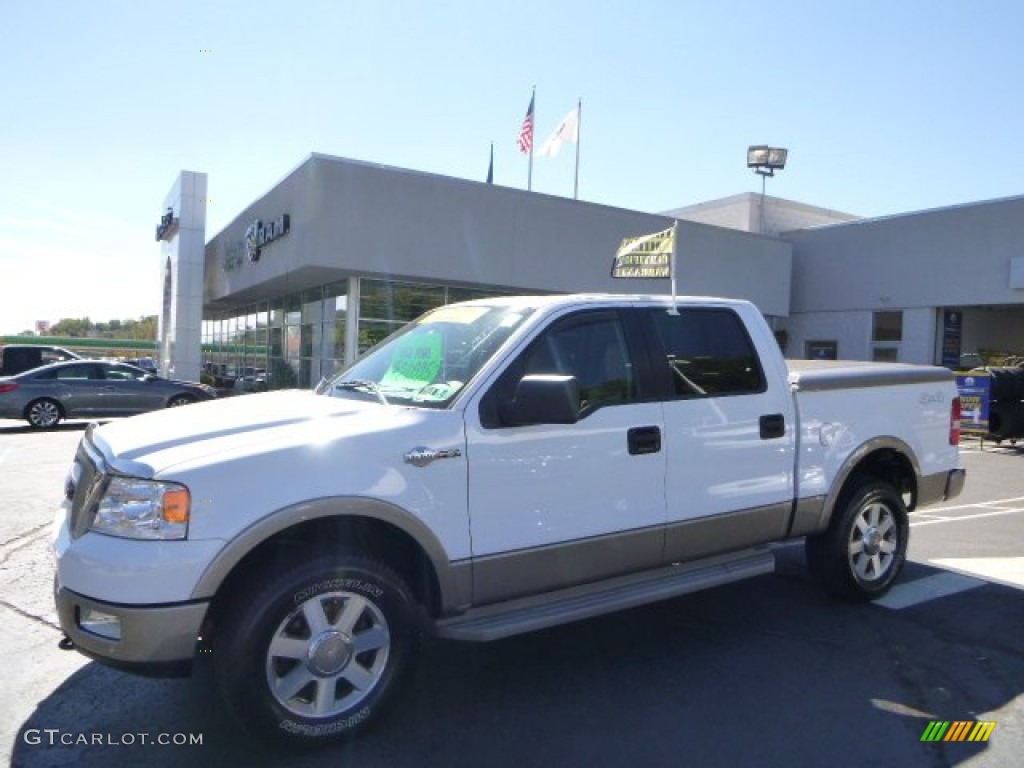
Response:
column 576, row 177
column 672, row 266
column 533, row 133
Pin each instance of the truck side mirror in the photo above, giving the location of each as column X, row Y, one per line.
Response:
column 544, row 399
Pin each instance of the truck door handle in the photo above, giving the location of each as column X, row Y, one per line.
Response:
column 772, row 425
column 643, row 440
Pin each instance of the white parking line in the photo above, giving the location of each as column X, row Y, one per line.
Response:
column 1002, row 570
column 1013, row 500
column 932, row 518
column 933, row 587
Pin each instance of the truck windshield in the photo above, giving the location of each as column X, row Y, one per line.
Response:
column 428, row 361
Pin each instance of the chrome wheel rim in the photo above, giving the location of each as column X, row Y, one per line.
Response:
column 328, row 654
column 44, row 414
column 874, row 541
column 178, row 402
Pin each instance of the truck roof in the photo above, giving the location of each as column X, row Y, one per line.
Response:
column 572, row 299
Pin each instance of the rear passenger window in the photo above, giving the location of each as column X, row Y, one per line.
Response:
column 708, row 353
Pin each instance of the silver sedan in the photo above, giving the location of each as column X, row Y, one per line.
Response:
column 85, row 389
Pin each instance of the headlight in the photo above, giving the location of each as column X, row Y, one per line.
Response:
column 143, row 509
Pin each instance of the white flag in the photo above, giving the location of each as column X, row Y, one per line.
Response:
column 567, row 130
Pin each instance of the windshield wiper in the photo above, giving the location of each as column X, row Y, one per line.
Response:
column 363, row 385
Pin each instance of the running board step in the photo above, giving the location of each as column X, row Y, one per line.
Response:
column 514, row 617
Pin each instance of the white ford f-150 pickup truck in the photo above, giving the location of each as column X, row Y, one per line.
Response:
column 495, row 467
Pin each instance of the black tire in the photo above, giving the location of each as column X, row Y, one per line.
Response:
column 179, row 400
column 863, row 550
column 286, row 680
column 44, row 413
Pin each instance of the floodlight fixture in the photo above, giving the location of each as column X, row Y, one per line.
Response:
column 766, row 160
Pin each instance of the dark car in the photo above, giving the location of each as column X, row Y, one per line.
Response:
column 18, row 358
column 84, row 389
column 148, row 364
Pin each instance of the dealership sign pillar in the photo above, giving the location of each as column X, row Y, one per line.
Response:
column 181, row 232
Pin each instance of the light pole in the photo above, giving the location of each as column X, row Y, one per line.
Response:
column 765, row 161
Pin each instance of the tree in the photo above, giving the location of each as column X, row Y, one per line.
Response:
column 143, row 329
column 71, row 326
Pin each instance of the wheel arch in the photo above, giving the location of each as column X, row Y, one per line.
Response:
column 883, row 458
column 378, row 529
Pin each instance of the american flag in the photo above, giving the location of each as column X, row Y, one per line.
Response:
column 526, row 132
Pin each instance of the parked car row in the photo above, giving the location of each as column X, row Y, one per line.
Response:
column 81, row 389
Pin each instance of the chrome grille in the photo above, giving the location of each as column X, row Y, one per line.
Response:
column 84, row 487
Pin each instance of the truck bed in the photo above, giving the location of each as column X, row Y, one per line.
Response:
column 821, row 375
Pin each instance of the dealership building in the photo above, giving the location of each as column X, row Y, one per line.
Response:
column 340, row 253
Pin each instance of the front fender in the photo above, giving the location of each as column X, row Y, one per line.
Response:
column 454, row 578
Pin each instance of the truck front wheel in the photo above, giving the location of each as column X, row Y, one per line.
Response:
column 313, row 653
column 863, row 550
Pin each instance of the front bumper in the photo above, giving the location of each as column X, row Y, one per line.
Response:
column 157, row 640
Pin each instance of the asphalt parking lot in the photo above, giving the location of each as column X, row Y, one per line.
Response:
column 764, row 672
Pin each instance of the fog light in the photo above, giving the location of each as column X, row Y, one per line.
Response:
column 98, row 623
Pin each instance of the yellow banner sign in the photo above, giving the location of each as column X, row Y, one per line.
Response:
column 645, row 256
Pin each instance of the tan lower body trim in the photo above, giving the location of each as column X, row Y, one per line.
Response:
column 529, row 571
column 703, row 536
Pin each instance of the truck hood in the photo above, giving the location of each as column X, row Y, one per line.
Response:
column 152, row 443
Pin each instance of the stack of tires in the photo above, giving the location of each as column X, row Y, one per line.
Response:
column 1006, row 412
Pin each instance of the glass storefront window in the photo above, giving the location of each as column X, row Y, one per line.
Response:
column 340, row 288
column 277, row 312
column 312, row 306
column 302, row 335
column 400, row 302
column 374, row 331
column 308, row 338
column 292, row 309
column 276, row 342
column 456, row 294
column 291, row 342
column 334, row 340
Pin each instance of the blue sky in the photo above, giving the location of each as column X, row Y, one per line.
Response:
column 885, row 107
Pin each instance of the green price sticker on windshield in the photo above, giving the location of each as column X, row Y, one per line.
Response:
column 415, row 363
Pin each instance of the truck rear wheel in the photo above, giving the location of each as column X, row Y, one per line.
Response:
column 860, row 555
column 313, row 653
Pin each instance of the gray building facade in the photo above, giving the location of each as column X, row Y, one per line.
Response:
column 341, row 253
column 919, row 288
